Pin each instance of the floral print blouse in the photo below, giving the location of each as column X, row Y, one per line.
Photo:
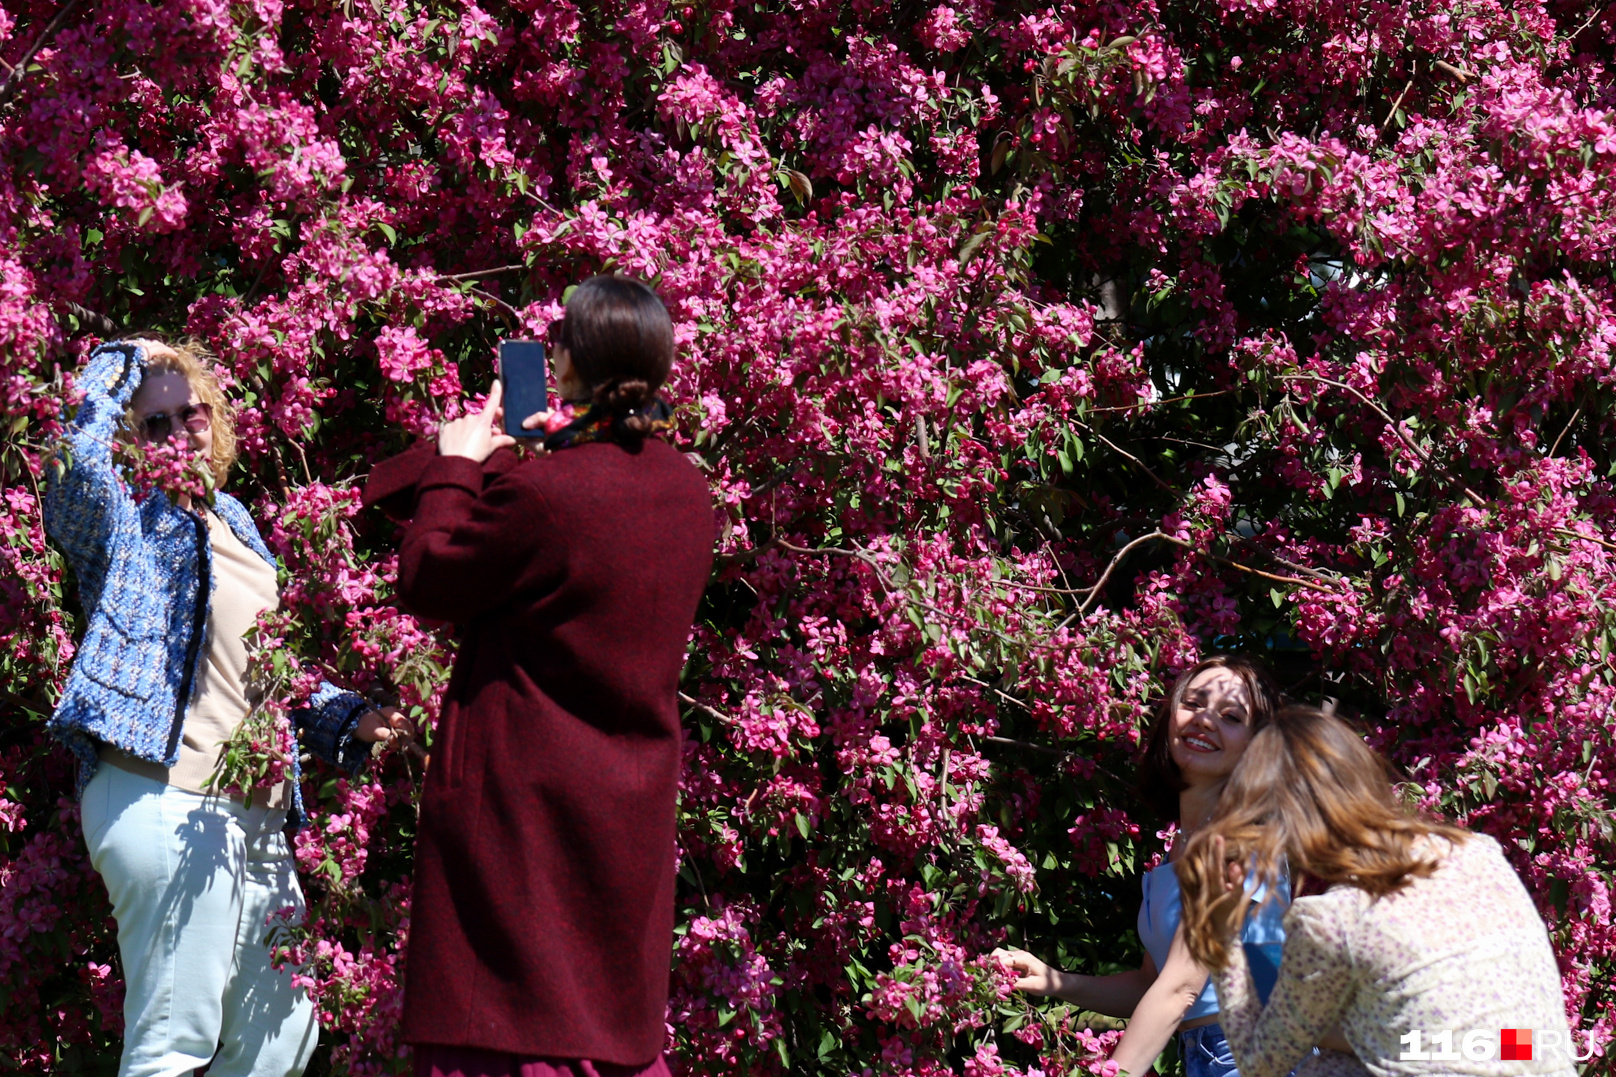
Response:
column 1463, row 949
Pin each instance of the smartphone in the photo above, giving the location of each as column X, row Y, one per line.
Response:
column 525, row 379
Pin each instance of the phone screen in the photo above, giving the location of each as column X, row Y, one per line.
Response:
column 525, row 377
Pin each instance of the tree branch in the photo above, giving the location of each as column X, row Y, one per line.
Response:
column 1425, row 457
column 1462, row 74
column 858, row 555
column 1114, row 447
column 1094, row 592
column 20, row 71
column 692, row 701
column 1568, row 533
column 1398, row 103
column 475, row 273
column 1569, row 424
column 1159, row 403
column 102, row 324
column 1295, row 581
column 514, row 313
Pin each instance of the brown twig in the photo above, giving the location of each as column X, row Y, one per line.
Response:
column 1186, row 441
column 20, row 70
column 543, row 203
column 856, row 554
column 1575, row 415
column 1425, row 457
column 102, row 324
column 1413, row 72
column 1094, row 592
column 1159, row 403
column 1292, row 565
column 692, row 701
column 1114, row 447
column 1295, row 581
column 514, row 313
column 1599, row 9
column 1568, row 533
column 1027, row 745
column 741, row 557
column 476, row 273
column 1459, row 73
column 1105, row 577
column 1044, row 588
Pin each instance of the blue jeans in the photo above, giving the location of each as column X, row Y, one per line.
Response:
column 1206, row 1053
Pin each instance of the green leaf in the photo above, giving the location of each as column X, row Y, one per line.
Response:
column 972, row 242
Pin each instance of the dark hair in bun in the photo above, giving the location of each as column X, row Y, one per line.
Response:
column 620, row 339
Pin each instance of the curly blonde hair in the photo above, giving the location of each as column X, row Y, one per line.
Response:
column 192, row 361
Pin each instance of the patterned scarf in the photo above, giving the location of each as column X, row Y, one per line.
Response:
column 598, row 424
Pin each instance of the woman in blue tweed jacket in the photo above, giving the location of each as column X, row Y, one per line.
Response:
column 156, row 691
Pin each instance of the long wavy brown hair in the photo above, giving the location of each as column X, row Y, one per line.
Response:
column 1308, row 791
column 192, row 361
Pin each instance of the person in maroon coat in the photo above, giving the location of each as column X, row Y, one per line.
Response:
column 541, row 925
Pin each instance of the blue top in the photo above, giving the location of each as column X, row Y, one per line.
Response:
column 1163, row 908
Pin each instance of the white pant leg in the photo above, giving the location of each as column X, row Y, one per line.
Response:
column 171, row 861
column 176, row 865
column 269, row 1026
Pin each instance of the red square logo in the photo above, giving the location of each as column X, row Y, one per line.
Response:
column 1515, row 1044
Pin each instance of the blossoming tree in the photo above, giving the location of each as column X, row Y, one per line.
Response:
column 1031, row 351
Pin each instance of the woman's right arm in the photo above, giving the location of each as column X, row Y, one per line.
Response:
column 1160, row 1011
column 1116, row 995
column 84, row 497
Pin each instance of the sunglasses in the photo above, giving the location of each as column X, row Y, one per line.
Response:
column 159, row 426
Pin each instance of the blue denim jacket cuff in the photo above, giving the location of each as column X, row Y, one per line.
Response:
column 328, row 725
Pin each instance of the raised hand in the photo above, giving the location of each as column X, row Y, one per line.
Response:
column 476, row 436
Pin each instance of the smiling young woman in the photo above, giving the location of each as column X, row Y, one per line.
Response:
column 1199, row 732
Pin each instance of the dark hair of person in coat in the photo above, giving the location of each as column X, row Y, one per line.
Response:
column 620, row 339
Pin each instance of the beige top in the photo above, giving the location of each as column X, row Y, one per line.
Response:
column 1458, row 955
column 243, row 587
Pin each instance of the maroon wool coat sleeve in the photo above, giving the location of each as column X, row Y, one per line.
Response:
column 502, row 541
column 541, row 918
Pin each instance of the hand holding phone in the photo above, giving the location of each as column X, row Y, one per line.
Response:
column 525, row 378
column 472, row 435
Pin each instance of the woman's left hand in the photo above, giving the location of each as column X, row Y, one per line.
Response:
column 474, row 436
column 385, row 723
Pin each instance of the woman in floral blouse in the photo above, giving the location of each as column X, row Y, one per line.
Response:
column 1413, row 935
